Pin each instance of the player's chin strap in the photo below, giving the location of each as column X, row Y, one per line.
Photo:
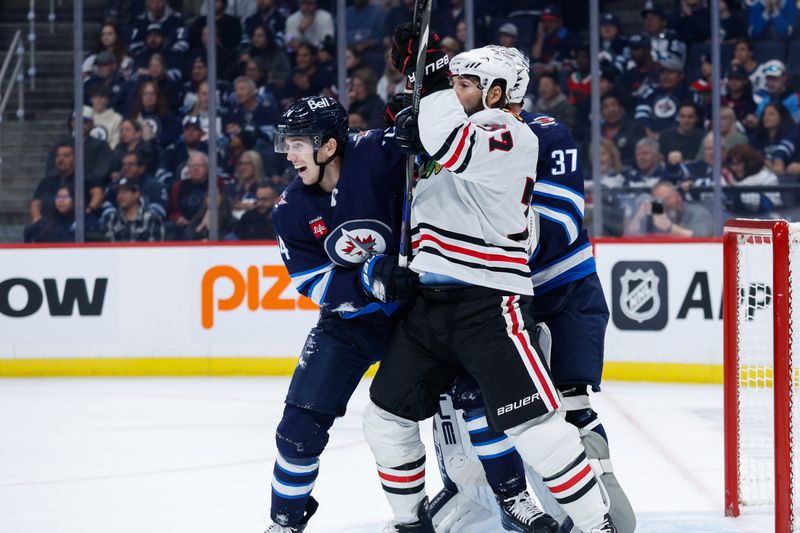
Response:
column 324, row 163
column 322, row 166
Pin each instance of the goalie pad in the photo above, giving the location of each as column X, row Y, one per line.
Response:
column 453, row 512
column 600, row 458
column 467, row 503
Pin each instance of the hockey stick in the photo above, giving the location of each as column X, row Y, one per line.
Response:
column 422, row 25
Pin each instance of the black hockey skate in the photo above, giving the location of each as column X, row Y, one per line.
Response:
column 311, row 508
column 520, row 513
column 423, row 525
column 607, row 526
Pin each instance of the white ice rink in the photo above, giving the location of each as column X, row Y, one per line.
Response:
column 195, row 456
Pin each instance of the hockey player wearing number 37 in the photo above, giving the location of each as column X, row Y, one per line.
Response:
column 471, row 237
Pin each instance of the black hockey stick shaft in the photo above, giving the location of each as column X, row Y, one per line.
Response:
column 422, row 25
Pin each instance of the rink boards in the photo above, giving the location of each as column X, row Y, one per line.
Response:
column 230, row 309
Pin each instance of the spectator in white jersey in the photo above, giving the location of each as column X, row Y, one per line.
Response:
column 309, row 23
column 106, row 120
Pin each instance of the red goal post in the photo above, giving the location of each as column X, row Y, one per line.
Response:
column 760, row 371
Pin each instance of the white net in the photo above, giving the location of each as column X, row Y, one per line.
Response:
column 756, row 440
column 756, row 412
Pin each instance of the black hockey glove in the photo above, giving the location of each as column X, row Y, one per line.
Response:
column 406, row 133
column 404, row 59
column 395, row 104
column 382, row 278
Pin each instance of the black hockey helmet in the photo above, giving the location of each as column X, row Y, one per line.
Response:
column 317, row 117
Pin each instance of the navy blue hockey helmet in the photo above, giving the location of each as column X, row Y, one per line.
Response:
column 317, row 117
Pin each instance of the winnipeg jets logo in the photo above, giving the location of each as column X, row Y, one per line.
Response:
column 360, row 135
column 665, row 107
column 544, row 120
column 99, row 132
column 359, row 246
column 355, row 241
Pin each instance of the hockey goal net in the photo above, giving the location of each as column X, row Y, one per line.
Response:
column 762, row 383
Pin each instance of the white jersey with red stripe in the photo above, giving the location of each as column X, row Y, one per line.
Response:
column 470, row 215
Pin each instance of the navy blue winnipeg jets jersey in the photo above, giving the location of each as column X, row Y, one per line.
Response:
column 325, row 237
column 563, row 253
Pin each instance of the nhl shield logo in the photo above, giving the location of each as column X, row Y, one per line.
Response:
column 639, row 300
column 639, row 295
column 355, row 241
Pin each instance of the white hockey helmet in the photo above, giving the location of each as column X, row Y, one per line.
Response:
column 516, row 93
column 488, row 65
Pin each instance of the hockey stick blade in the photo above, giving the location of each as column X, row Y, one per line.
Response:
column 422, row 25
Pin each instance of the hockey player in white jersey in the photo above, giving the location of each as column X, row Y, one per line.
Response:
column 568, row 297
column 471, row 239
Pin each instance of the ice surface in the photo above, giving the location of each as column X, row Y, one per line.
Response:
column 195, row 456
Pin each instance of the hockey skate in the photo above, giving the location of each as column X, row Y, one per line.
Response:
column 520, row 513
column 607, row 526
column 311, row 508
column 423, row 525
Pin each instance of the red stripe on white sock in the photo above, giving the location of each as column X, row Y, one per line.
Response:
column 402, row 479
column 577, row 478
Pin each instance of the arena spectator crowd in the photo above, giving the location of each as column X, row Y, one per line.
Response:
column 146, row 94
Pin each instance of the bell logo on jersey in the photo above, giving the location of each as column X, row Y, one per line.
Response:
column 355, row 241
column 318, row 227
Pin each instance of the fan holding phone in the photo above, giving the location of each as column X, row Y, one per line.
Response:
column 666, row 212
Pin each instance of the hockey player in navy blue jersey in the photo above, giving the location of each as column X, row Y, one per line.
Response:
column 343, row 208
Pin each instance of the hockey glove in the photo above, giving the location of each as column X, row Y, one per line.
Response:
column 406, row 133
column 382, row 278
column 404, row 59
column 395, row 104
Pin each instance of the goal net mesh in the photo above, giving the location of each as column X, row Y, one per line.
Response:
column 756, row 365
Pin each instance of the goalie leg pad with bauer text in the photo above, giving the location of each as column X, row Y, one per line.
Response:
column 400, row 457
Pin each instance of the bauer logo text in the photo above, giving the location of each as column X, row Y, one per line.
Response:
column 517, row 404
